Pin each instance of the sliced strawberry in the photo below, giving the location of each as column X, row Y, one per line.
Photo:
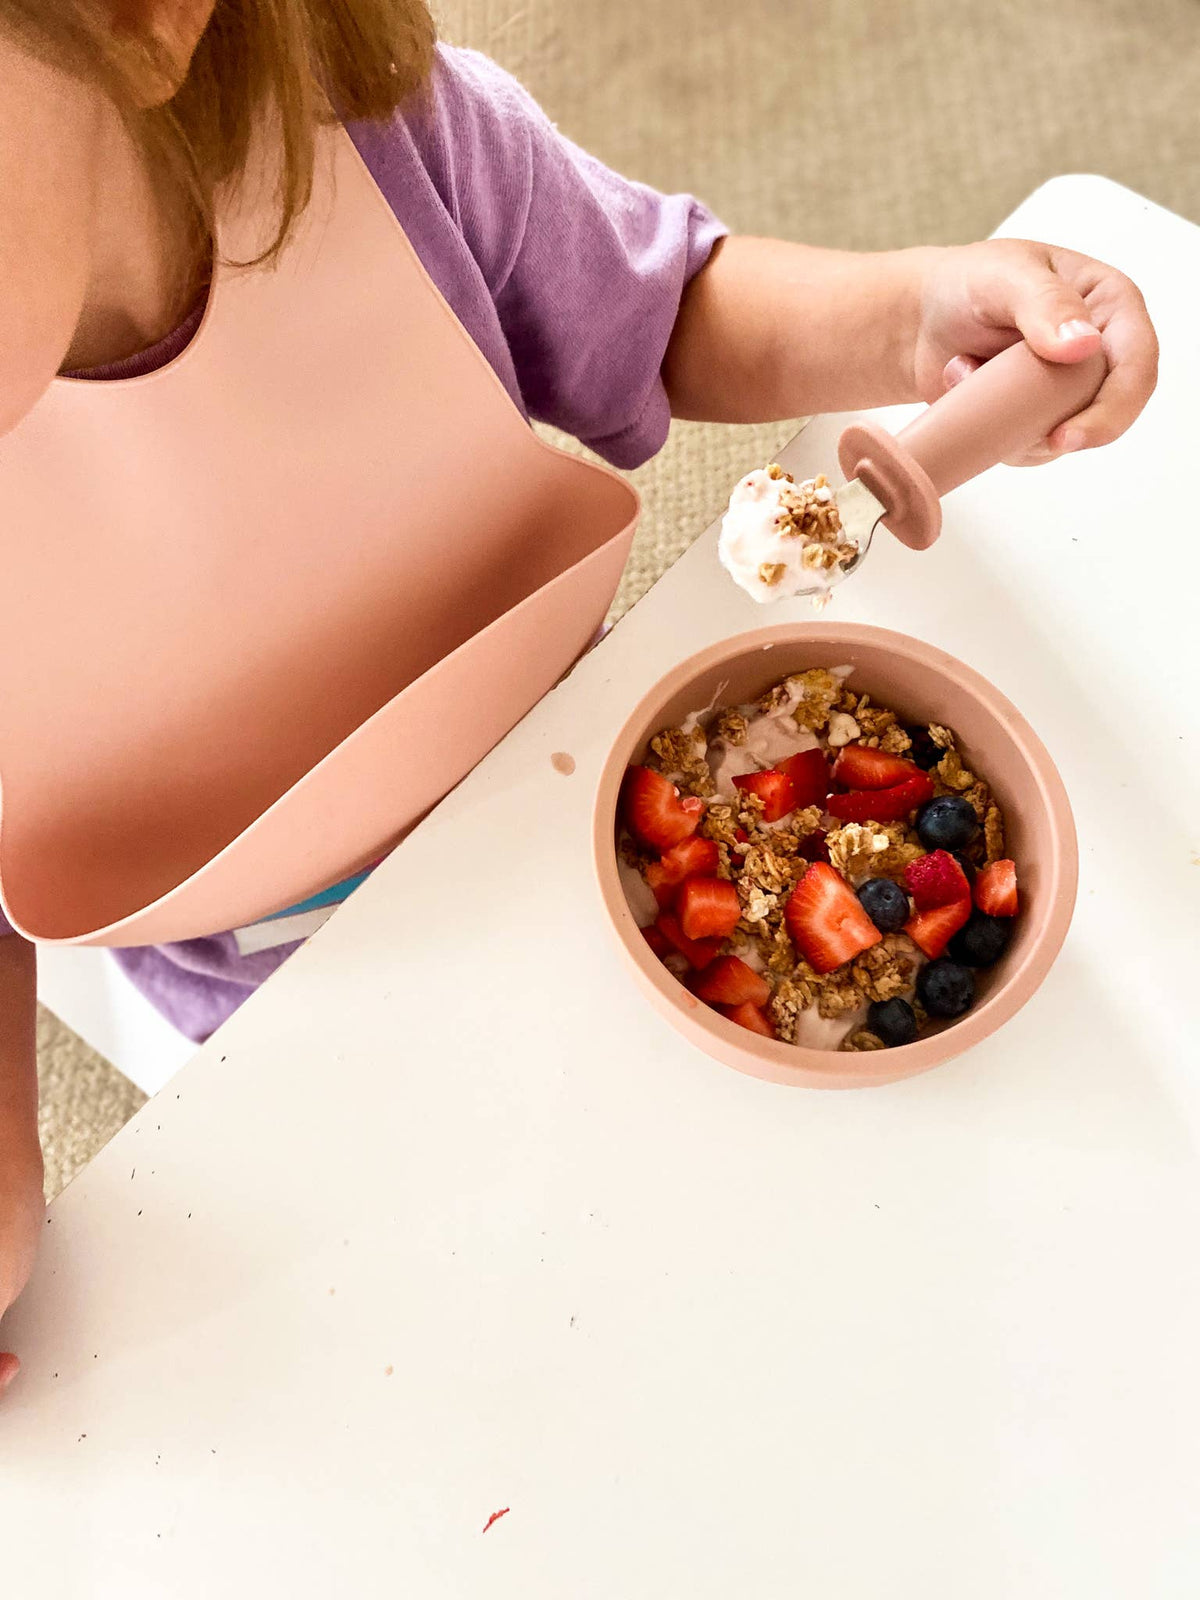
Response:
column 775, row 790
column 656, row 812
column 809, row 772
column 691, row 858
column 933, row 930
column 695, row 857
column 996, row 889
column 882, row 805
column 749, row 1016
column 709, row 908
column 730, row 982
column 662, row 880
column 696, row 952
column 653, row 936
column 936, row 880
column 859, row 767
column 827, row 924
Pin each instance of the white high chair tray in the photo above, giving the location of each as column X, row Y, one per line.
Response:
column 447, row 1222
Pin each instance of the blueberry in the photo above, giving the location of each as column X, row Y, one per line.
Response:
column 885, row 903
column 982, row 942
column 924, row 752
column 947, row 823
column 945, row 988
column 892, row 1021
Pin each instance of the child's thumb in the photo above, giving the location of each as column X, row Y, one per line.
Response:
column 1053, row 318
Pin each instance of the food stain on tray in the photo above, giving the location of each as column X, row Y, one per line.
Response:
column 562, row 762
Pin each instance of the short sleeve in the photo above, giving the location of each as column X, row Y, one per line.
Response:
column 586, row 268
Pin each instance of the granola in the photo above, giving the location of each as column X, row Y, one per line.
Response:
column 863, row 1039
column 815, row 694
column 730, row 725
column 993, row 833
column 681, row 754
column 720, row 824
column 950, row 773
column 887, row 971
column 780, row 537
column 895, row 741
column 873, row 721
column 872, row 849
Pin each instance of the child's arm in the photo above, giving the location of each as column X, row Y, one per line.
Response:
column 769, row 330
column 21, row 1208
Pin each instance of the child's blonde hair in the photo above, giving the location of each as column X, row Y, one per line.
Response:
column 290, row 59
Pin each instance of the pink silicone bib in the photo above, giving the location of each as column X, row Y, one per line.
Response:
column 261, row 609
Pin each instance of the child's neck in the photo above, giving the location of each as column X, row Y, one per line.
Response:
column 146, row 266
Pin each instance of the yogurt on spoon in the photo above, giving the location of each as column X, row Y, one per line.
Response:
column 780, row 538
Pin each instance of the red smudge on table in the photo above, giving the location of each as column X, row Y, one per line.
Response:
column 495, row 1517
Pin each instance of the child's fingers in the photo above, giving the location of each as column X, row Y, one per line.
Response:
column 9, row 1367
column 1122, row 396
column 1132, row 350
column 1065, row 306
column 1052, row 316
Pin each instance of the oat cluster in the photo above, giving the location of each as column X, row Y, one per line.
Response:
column 681, row 755
column 873, row 849
column 872, row 725
column 809, row 512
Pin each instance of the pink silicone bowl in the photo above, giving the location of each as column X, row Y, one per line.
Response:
column 923, row 684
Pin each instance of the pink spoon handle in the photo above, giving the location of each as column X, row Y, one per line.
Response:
column 1009, row 404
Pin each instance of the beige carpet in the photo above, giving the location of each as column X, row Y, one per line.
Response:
column 861, row 123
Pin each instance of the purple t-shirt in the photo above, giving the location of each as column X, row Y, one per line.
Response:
column 568, row 278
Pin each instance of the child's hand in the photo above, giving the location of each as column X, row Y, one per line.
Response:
column 22, row 1218
column 769, row 329
column 22, row 1210
column 978, row 299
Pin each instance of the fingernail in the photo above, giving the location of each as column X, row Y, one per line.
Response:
column 1077, row 329
column 1072, row 439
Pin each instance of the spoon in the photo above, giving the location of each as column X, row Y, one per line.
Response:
column 1002, row 409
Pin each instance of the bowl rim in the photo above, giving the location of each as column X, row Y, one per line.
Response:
column 775, row 1060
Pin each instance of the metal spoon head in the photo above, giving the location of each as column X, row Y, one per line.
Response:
column 860, row 512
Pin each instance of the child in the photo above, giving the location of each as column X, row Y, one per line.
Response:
column 602, row 307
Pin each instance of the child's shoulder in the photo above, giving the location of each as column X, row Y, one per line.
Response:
column 476, row 106
column 470, row 147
